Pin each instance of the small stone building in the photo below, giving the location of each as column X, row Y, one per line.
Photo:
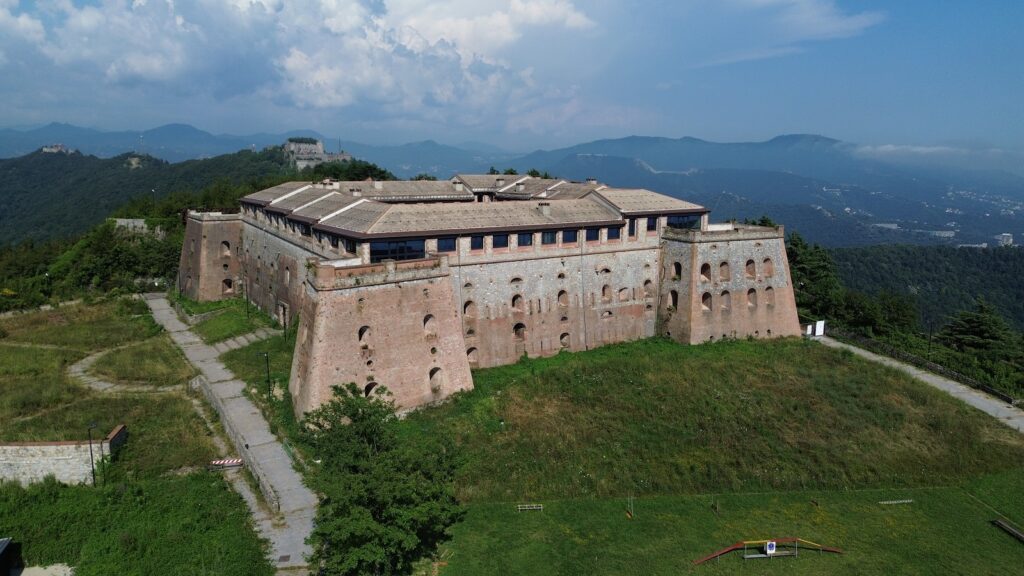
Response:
column 411, row 284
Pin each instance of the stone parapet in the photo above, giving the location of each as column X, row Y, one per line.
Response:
column 727, row 232
column 329, row 276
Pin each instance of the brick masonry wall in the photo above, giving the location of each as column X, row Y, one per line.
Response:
column 68, row 462
column 205, row 261
column 715, row 304
column 400, row 329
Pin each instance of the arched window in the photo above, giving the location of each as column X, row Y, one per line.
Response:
column 624, row 294
column 227, row 286
column 673, row 299
column 364, row 336
column 369, row 388
column 606, row 271
column 561, row 275
column 677, row 270
column 648, row 289
column 723, row 272
column 225, row 249
column 606, row 293
column 517, row 303
column 751, row 298
column 469, row 309
column 563, row 298
column 564, row 340
column 726, row 301
column 519, row 331
column 436, row 378
column 768, row 268
column 517, row 280
column 750, row 269
column 606, row 314
column 287, row 276
column 430, row 325
column 467, row 285
column 705, row 301
column 472, row 355
column 705, row 272
column 769, row 296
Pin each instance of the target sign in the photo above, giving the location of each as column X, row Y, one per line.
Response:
column 769, row 548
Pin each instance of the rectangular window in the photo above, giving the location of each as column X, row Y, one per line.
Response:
column 446, row 244
column 526, row 239
column 652, row 223
column 547, row 238
column 569, row 236
column 632, row 226
column 684, row 221
column 593, row 234
column 334, row 241
column 615, row 232
column 499, row 241
column 351, row 246
column 381, row 250
column 476, row 242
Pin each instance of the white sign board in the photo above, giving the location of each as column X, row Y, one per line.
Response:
column 769, row 548
column 819, row 328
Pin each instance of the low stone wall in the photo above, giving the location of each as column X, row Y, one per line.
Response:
column 68, row 462
column 219, row 401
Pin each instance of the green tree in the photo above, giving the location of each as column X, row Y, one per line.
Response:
column 533, row 172
column 425, row 176
column 387, row 500
column 350, row 170
column 510, row 172
column 980, row 330
column 493, row 170
column 815, row 282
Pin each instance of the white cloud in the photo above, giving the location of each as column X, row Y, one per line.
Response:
column 813, row 19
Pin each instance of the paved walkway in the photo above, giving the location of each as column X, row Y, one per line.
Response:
column 251, row 435
column 1009, row 415
column 245, row 339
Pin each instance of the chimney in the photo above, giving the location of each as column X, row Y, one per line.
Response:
column 378, row 185
column 500, row 182
column 520, row 187
column 591, row 180
column 458, row 186
column 545, row 208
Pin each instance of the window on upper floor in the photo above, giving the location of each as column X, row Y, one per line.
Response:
column 632, row 226
column 614, row 232
column 446, row 244
column 593, row 234
column 570, row 236
column 476, row 243
column 684, row 221
column 499, row 241
column 411, row 249
column 548, row 237
column 652, row 223
column 525, row 238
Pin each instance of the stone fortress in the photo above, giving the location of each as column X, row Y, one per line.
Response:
column 411, row 284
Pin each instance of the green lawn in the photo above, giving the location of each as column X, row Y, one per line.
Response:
column 944, row 531
column 85, row 327
column 33, row 380
column 234, row 319
column 154, row 362
column 157, row 510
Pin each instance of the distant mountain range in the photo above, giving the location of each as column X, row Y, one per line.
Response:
column 819, row 186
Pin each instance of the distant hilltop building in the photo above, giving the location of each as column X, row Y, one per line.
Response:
column 1004, row 239
column 55, row 149
column 309, row 152
column 411, row 284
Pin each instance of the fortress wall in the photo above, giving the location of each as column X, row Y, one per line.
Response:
column 412, row 342
column 205, row 263
column 502, row 295
column 273, row 269
column 716, row 305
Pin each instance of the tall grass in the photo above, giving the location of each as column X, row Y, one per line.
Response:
column 154, row 362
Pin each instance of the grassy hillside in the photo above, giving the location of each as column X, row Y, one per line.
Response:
column 654, row 417
column 37, row 190
column 719, row 443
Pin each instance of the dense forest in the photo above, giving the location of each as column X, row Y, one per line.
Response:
column 108, row 258
column 942, row 280
column 971, row 336
column 55, row 195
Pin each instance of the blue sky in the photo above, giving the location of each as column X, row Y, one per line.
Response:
column 908, row 77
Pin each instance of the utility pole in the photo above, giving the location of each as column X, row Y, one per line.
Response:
column 92, row 463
